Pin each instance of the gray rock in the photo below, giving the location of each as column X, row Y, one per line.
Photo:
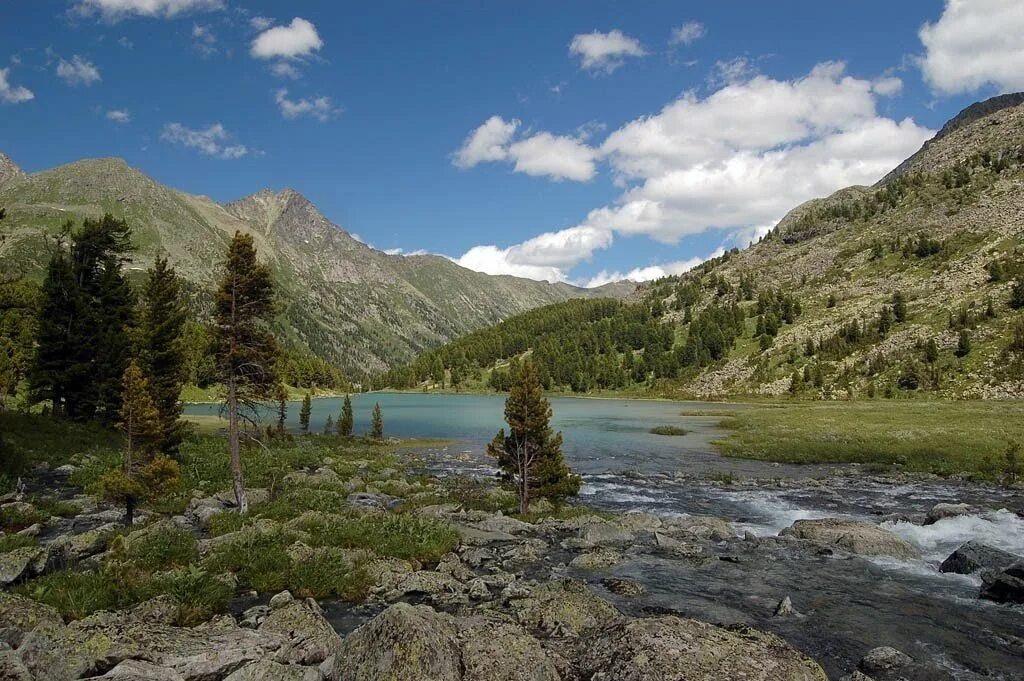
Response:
column 1005, row 586
column 268, row 670
column 472, row 536
column 403, row 642
column 857, row 675
column 855, row 536
column 884, row 659
column 675, row 648
column 974, row 556
column 700, row 526
column 495, row 649
column 138, row 670
column 623, row 587
column 596, row 560
column 20, row 563
column 372, row 500
column 785, row 608
column 502, row 523
column 307, row 637
column 32, row 530
column 20, row 615
column 564, row 608
column 437, row 586
column 279, row 600
column 12, row 668
column 942, row 511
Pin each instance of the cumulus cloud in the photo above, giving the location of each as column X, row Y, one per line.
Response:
column 296, row 40
column 320, row 108
column 115, row 10
column 688, row 33
column 13, row 94
column 975, row 44
column 648, row 273
column 888, row 86
column 212, row 141
column 119, row 115
column 737, row 160
column 283, row 69
column 78, row 71
column 558, row 157
column 547, row 257
column 604, row 52
column 727, row 71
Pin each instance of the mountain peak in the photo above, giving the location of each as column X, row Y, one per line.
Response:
column 8, row 169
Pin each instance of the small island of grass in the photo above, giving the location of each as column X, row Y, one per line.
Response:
column 668, row 430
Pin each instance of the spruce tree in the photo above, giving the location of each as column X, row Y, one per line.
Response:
column 161, row 348
column 141, row 475
column 899, row 307
column 282, row 408
column 963, row 343
column 58, row 330
column 530, row 455
column 346, row 422
column 244, row 347
column 329, row 425
column 305, row 413
column 377, row 422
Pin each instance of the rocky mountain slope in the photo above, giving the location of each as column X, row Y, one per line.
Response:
column 340, row 299
column 810, row 309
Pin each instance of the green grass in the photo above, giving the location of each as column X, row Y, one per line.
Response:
column 162, row 549
column 946, row 438
column 15, row 520
column 668, row 430
column 9, row 542
column 392, row 535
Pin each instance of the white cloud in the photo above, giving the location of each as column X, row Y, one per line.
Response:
column 283, row 69
column 974, row 44
column 78, row 71
column 405, row 253
column 13, row 94
column 296, row 40
column 204, row 39
column 688, row 33
column 728, row 71
column 887, row 86
column 559, row 157
column 487, row 143
column 649, row 273
column 320, row 108
column 548, row 256
column 119, row 115
column 115, row 10
column 738, row 160
column 259, row 23
column 211, row 141
column 604, row 51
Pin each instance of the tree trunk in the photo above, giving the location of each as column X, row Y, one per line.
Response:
column 233, row 446
column 129, row 512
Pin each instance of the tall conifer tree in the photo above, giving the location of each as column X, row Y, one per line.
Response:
column 377, row 422
column 346, row 422
column 305, row 413
column 161, row 329
column 245, row 348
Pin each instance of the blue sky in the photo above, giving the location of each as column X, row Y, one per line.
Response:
column 581, row 141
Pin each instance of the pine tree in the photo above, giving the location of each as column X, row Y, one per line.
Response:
column 963, row 343
column 141, row 476
column 282, row 408
column 931, row 351
column 161, row 347
column 244, row 347
column 329, row 425
column 899, row 307
column 346, row 422
column 530, row 456
column 58, row 355
column 305, row 413
column 113, row 316
column 377, row 422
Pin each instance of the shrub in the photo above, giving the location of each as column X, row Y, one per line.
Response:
column 259, row 559
column 9, row 542
column 199, row 594
column 78, row 594
column 325, row 575
column 669, row 430
column 14, row 519
column 162, row 548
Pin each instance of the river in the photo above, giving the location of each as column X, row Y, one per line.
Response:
column 849, row 604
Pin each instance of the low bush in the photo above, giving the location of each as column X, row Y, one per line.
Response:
column 669, row 430
column 162, row 548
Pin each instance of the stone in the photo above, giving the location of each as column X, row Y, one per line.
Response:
column 268, row 670
column 855, row 536
column 884, row 659
column 502, row 523
column 639, row 520
column 596, row 560
column 12, row 668
column 604, row 534
column 857, row 675
column 564, row 608
column 372, row 500
column 785, row 608
column 32, row 530
column 403, row 642
column 471, row 536
column 700, row 526
column 496, row 649
column 623, row 587
column 1005, row 586
column 19, row 563
column 942, row 511
column 681, row 649
column 138, row 670
column 279, row 600
column 451, row 565
column 974, row 556
column 307, row 637
column 437, row 586
column 478, row 590
column 20, row 615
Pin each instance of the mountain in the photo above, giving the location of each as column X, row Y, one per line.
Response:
column 810, row 308
column 339, row 298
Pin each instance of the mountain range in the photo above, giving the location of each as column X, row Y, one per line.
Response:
column 340, row 299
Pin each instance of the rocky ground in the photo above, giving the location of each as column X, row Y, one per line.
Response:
column 513, row 599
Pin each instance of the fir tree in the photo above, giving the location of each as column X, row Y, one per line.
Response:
column 161, row 347
column 59, row 354
column 346, row 421
column 244, row 347
column 963, row 343
column 305, row 412
column 141, row 475
column 899, row 307
column 329, row 425
column 530, row 456
column 377, row 422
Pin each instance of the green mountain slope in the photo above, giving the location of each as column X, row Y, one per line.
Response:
column 809, row 309
column 340, row 299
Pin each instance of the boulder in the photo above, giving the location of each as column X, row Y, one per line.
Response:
column 502, row 523
column 138, row 670
column 638, row 520
column 974, row 556
column 884, row 659
column 603, row 534
column 437, row 586
column 564, row 608
column 307, row 637
column 20, row 615
column 941, row 511
column 403, row 642
column 623, row 587
column 1005, row 586
column 279, row 600
column 268, row 670
column 471, row 536
column 596, row 560
column 12, row 668
column 854, row 536
column 700, row 526
column 493, row 648
column 451, row 565
column 676, row 649
column 20, row 563
column 372, row 500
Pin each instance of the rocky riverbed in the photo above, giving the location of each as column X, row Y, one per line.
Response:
column 676, row 578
